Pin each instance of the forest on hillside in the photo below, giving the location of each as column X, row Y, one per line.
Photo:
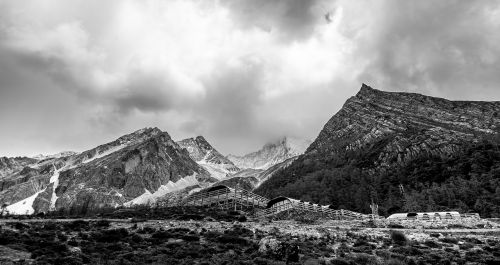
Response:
column 466, row 181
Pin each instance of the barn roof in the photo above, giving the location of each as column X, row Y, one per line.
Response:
column 218, row 187
column 276, row 200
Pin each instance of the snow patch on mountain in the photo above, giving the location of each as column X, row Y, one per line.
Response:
column 104, row 153
column 24, row 206
column 55, row 180
column 147, row 197
column 208, row 157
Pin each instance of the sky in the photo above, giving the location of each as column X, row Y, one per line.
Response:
column 76, row 74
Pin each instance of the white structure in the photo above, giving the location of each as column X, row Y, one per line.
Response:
column 425, row 216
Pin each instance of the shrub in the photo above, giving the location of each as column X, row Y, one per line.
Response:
column 146, row 230
column 450, row 240
column 76, row 225
column 339, row 262
column 20, row 226
column 232, row 239
column 399, row 238
column 191, row 237
column 62, row 237
column 466, row 246
column 103, row 223
column 407, row 251
column 242, row 218
column 394, row 262
column 396, row 226
column 432, row 244
column 136, row 238
column 112, row 235
column 365, row 259
column 162, row 235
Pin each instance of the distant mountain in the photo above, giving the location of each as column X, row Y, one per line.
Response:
column 13, row 164
column 139, row 167
column 404, row 151
column 271, row 154
column 250, row 178
column 58, row 155
column 206, row 156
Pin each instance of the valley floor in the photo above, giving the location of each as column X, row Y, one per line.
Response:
column 135, row 241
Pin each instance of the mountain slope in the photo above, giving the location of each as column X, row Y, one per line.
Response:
column 249, row 178
column 9, row 165
column 206, row 156
column 432, row 147
column 271, row 154
column 145, row 164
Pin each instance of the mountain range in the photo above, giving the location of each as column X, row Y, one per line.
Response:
column 138, row 168
column 402, row 151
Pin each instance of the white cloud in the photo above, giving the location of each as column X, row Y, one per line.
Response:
column 239, row 72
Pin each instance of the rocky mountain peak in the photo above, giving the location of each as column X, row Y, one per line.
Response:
column 141, row 134
column 135, row 168
column 372, row 115
column 379, row 140
column 271, row 153
column 208, row 157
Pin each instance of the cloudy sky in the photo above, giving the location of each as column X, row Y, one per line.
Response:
column 75, row 74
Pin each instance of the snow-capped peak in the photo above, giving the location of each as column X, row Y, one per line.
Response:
column 271, row 153
column 58, row 155
column 206, row 156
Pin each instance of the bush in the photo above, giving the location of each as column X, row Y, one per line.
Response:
column 399, row 238
column 232, row 239
column 20, row 226
column 466, row 246
column 340, row 262
column 103, row 223
column 432, row 244
column 450, row 240
column 162, row 235
column 395, row 262
column 76, row 225
column 396, row 226
column 365, row 259
column 112, row 235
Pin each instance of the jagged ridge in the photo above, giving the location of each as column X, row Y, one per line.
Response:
column 145, row 164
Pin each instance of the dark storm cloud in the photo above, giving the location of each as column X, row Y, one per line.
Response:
column 240, row 72
column 229, row 108
column 446, row 48
column 289, row 19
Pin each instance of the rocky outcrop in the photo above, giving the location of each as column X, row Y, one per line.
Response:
column 146, row 162
column 271, row 154
column 208, row 157
column 406, row 125
column 10, row 165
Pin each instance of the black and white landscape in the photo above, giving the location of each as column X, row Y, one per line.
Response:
column 249, row 132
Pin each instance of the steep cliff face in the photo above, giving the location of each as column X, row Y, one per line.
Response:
column 408, row 124
column 381, row 140
column 135, row 168
column 271, row 154
column 208, row 157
